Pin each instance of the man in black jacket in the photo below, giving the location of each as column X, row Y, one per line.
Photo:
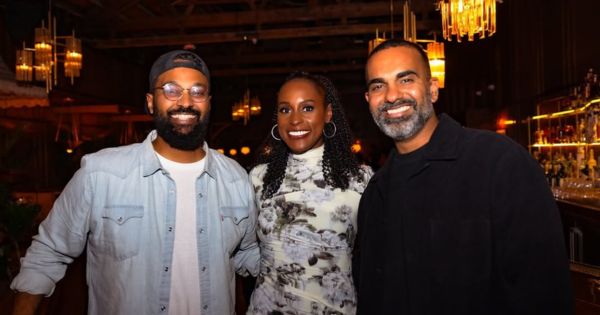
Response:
column 458, row 221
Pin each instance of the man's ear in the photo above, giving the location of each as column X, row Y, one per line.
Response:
column 150, row 103
column 434, row 89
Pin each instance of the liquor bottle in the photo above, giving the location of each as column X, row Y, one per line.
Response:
column 571, row 166
column 587, row 84
column 580, row 160
column 581, row 130
column 595, row 92
column 591, row 164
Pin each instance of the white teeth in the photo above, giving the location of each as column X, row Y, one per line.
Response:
column 398, row 110
column 183, row 116
column 297, row 133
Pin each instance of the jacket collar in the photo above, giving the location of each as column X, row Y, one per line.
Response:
column 443, row 145
column 444, row 141
column 151, row 164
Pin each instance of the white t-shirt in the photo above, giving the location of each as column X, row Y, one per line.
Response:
column 185, row 277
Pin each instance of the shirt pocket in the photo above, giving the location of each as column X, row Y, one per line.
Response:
column 121, row 230
column 231, row 225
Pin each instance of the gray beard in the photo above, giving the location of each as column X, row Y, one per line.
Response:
column 400, row 129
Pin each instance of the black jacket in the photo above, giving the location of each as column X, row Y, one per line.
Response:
column 479, row 233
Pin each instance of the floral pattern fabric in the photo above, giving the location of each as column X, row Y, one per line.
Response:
column 306, row 232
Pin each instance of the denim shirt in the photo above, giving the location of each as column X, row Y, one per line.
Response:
column 121, row 204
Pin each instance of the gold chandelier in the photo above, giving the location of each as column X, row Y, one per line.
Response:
column 245, row 108
column 468, row 17
column 41, row 62
column 376, row 41
column 437, row 61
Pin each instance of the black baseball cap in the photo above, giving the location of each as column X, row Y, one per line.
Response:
column 175, row 59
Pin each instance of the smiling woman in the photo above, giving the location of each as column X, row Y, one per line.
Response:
column 302, row 114
column 307, row 192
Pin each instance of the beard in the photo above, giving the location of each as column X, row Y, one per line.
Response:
column 403, row 128
column 187, row 138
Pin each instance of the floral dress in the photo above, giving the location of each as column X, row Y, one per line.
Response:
column 306, row 233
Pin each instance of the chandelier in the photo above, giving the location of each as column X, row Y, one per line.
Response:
column 437, row 61
column 410, row 24
column 376, row 41
column 468, row 17
column 41, row 61
column 245, row 108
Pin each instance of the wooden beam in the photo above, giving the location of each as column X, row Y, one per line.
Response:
column 236, row 19
column 266, row 34
column 283, row 70
column 206, row 2
column 26, row 125
column 87, row 109
column 287, row 56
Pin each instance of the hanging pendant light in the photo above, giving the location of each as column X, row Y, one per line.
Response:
column 40, row 62
column 437, row 61
column 468, row 18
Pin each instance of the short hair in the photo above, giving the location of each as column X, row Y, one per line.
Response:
column 395, row 42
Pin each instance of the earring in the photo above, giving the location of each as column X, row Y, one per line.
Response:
column 334, row 130
column 273, row 133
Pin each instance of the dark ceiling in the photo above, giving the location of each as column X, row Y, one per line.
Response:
column 542, row 49
column 247, row 44
column 248, row 37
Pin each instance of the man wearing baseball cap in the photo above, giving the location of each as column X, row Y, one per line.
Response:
column 166, row 222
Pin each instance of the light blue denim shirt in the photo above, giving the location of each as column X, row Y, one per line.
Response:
column 121, row 204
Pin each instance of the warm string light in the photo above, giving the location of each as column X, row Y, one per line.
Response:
column 468, row 17
column 248, row 106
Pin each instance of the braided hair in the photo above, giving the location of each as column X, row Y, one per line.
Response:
column 339, row 163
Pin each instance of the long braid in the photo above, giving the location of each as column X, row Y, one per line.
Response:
column 339, row 164
column 276, row 155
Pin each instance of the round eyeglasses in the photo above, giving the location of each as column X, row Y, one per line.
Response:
column 174, row 92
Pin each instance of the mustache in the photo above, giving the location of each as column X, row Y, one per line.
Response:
column 401, row 101
column 184, row 110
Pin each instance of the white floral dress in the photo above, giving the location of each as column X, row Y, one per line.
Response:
column 306, row 233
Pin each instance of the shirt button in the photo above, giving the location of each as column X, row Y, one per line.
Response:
column 203, row 268
column 166, row 269
column 170, row 229
column 120, row 219
column 205, row 307
column 201, row 195
column 163, row 308
column 201, row 230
